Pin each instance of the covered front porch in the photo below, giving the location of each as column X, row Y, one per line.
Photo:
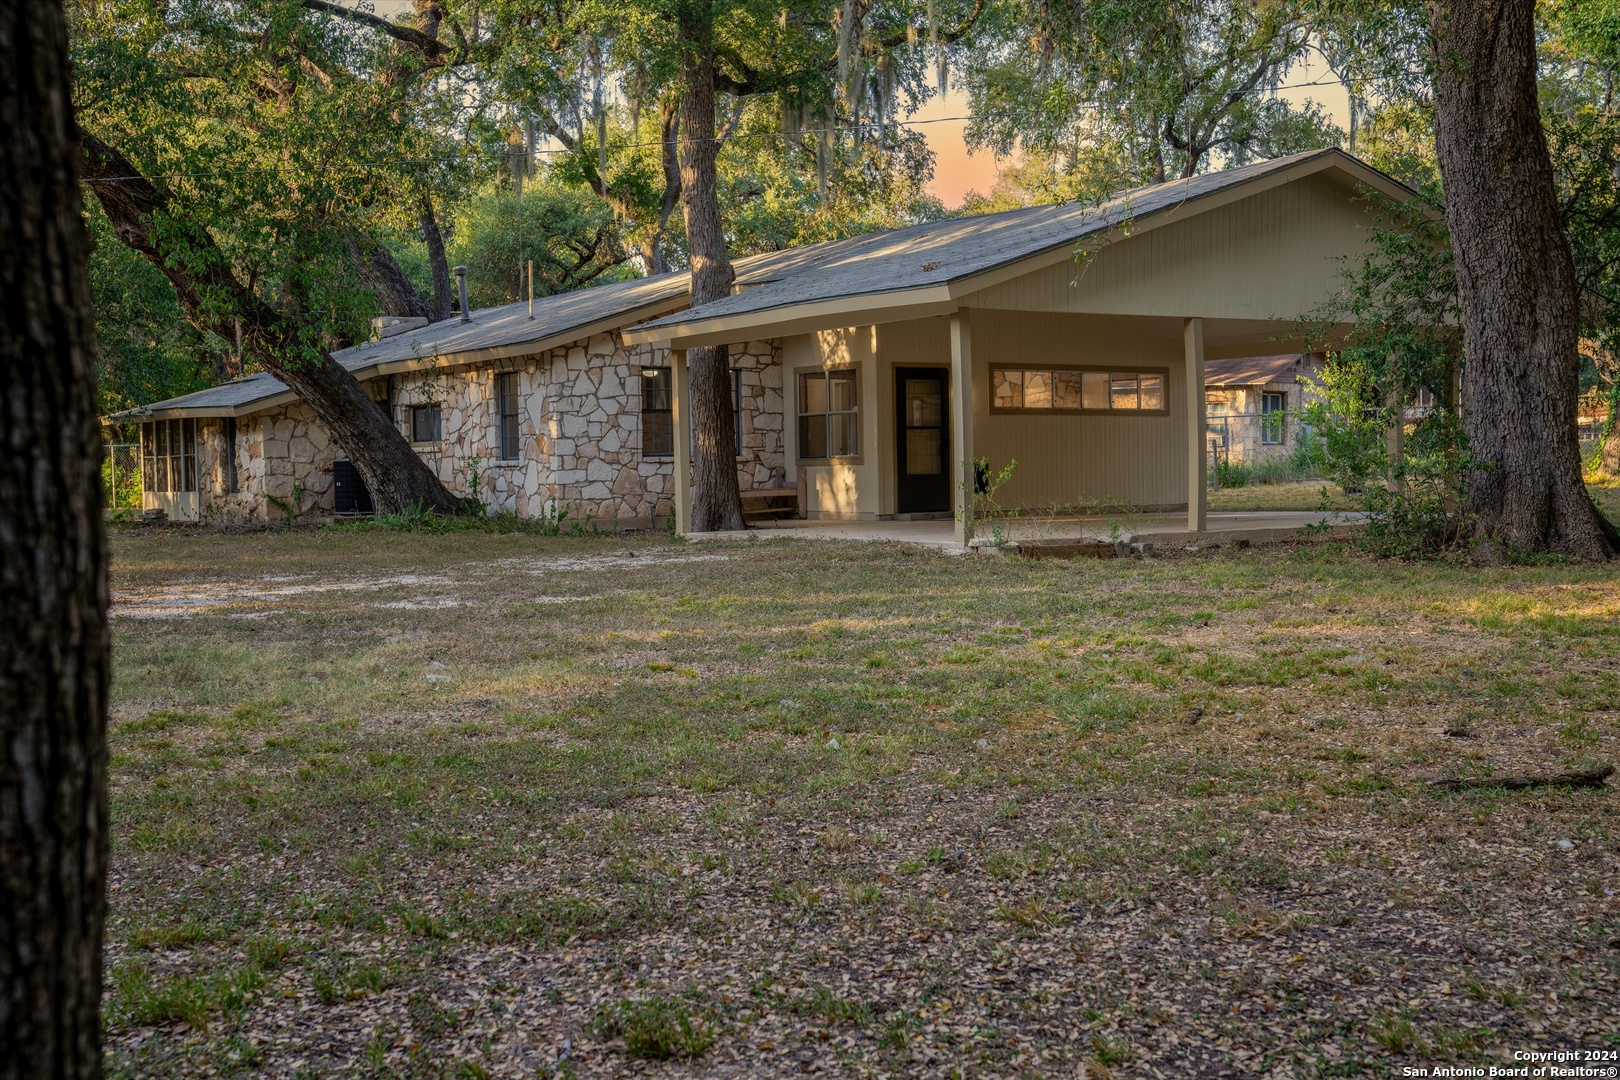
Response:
column 1076, row 421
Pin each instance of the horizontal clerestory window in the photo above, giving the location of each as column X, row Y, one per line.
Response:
column 1076, row 390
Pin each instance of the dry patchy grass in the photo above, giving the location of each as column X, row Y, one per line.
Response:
column 1296, row 495
column 402, row 805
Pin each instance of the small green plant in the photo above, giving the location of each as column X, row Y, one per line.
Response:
column 831, row 1008
column 983, row 507
column 1394, row 1032
column 472, row 470
column 552, row 518
column 289, row 507
column 655, row 1027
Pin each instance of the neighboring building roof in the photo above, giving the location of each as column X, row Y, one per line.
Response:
column 921, row 263
column 491, row 333
column 1260, row 370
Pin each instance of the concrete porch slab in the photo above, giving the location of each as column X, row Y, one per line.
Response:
column 1162, row 530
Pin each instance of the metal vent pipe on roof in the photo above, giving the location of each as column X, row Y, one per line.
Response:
column 461, row 289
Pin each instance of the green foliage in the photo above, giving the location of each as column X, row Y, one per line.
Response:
column 1411, row 506
column 569, row 234
column 123, row 487
column 284, row 136
column 655, row 1027
column 146, row 351
column 555, row 520
column 1348, row 425
column 1303, row 463
column 983, row 505
column 1110, row 94
column 783, row 192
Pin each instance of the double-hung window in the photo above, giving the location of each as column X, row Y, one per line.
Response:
column 1273, row 411
column 506, row 405
column 829, row 418
column 231, row 480
column 658, row 416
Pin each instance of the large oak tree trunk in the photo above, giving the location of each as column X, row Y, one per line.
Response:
column 716, row 498
column 53, row 575
column 1516, row 279
column 211, row 295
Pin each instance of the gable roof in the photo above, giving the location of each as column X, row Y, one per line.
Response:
column 1259, row 370
column 491, row 334
column 931, row 264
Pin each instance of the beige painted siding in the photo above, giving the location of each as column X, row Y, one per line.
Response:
column 1063, row 459
column 1270, row 256
column 846, row 488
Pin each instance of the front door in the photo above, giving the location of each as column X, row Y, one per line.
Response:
column 923, row 450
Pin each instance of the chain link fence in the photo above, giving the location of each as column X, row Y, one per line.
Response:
column 121, row 476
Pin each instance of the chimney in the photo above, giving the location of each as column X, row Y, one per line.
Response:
column 461, row 289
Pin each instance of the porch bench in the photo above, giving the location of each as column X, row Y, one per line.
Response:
column 761, row 503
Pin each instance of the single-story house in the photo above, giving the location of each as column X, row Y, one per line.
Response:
column 1255, row 404
column 871, row 372
column 548, row 410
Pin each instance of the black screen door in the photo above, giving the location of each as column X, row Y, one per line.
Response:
column 923, row 454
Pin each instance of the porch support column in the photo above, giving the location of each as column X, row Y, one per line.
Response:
column 962, row 423
column 1192, row 337
column 681, row 419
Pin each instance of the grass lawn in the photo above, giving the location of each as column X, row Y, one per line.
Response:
column 1606, row 493
column 1296, row 495
column 478, row 805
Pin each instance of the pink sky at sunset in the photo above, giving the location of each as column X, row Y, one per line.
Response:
column 956, row 172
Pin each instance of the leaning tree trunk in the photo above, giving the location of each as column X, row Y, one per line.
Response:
column 212, row 297
column 381, row 273
column 1516, row 280
column 716, row 498
column 53, row 575
column 434, row 239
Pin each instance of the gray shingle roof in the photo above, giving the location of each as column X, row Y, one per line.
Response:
column 490, row 328
column 1259, row 370
column 940, row 252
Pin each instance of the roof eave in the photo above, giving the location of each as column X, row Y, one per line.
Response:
column 802, row 318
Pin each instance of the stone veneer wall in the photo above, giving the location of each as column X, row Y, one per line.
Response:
column 1242, row 422
column 579, row 422
column 590, row 429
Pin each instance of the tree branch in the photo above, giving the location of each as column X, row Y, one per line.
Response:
column 431, row 47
